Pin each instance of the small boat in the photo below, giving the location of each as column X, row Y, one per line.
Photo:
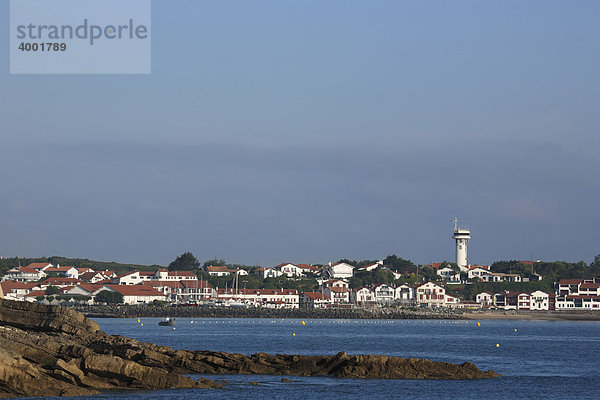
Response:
column 167, row 322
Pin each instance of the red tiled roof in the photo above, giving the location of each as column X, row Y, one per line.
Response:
column 62, row 281
column 569, row 282
column 589, row 286
column 38, row 265
column 316, row 296
column 8, row 286
column 582, row 297
column 28, row 270
column 89, row 275
column 284, row 264
column 89, row 287
column 36, row 293
column 308, row 266
column 217, row 268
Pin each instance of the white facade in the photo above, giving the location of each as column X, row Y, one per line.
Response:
column 476, row 272
column 431, row 295
column 339, row 270
column 462, row 237
column 448, row 274
column 269, row 273
column 363, row 296
column 291, row 270
column 132, row 278
column 485, row 299
column 384, row 294
column 315, row 300
column 405, row 292
column 540, row 300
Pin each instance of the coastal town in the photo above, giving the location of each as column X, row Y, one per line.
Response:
column 334, row 286
column 32, row 283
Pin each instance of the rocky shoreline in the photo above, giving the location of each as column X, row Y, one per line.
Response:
column 132, row 311
column 56, row 351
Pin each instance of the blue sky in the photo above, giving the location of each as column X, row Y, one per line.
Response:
column 309, row 131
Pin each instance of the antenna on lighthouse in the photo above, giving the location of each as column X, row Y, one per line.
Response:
column 455, row 221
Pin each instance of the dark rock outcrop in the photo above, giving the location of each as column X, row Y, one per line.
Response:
column 55, row 351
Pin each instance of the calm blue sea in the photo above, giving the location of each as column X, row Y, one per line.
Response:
column 538, row 359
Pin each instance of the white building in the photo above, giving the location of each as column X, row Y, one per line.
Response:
column 135, row 294
column 405, row 293
column 269, row 273
column 448, row 274
column 462, row 237
column 291, row 270
column 315, row 300
column 372, row 267
column 485, row 299
column 431, row 295
column 540, row 300
column 500, row 277
column 477, row 271
column 339, row 270
column 363, row 297
column 384, row 294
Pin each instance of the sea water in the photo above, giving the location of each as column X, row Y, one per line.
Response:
column 538, row 359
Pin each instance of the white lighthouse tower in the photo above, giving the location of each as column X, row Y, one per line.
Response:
column 461, row 236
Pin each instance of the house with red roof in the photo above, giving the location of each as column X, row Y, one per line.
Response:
column 24, row 274
column 217, row 270
column 61, row 282
column 171, row 289
column 314, row 300
column 485, row 299
column 83, row 289
column 500, row 277
column 430, row 294
column 290, row 270
column 135, row 294
column 372, row 267
column 92, row 277
column 338, row 295
column 196, row 291
column 14, row 290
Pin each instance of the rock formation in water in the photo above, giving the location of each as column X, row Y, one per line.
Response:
column 56, row 351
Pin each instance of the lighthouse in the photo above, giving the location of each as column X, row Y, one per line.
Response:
column 461, row 236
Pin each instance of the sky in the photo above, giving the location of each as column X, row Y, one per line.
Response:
column 307, row 131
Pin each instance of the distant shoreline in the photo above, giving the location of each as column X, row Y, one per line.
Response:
column 303, row 313
column 534, row 315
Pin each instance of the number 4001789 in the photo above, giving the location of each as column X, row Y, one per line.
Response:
column 48, row 46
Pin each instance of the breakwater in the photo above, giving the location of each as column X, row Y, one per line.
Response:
column 134, row 311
